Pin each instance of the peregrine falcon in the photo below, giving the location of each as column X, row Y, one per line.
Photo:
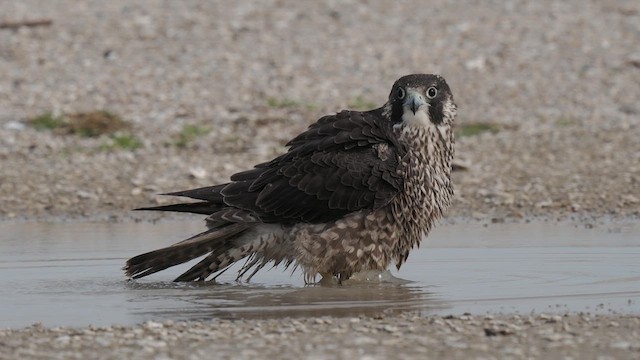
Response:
column 356, row 191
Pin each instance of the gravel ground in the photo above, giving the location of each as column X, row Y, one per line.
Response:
column 399, row 337
column 556, row 82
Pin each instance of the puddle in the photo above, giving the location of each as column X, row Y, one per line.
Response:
column 69, row 274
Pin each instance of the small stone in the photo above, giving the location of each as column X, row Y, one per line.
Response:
column 498, row 331
column 477, row 63
column 455, row 343
column 63, row 339
column 15, row 126
column 390, row 328
column 623, row 345
column 198, row 172
column 364, row 340
column 553, row 337
column 555, row 319
column 85, row 194
column 153, row 325
column 544, row 204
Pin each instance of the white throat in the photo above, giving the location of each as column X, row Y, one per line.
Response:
column 419, row 121
column 420, row 118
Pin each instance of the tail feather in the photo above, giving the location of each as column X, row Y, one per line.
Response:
column 219, row 261
column 215, row 239
column 201, row 207
column 212, row 201
column 208, row 193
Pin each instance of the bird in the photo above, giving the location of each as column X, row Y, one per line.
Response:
column 356, row 191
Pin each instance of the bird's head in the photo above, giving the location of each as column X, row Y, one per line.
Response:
column 421, row 100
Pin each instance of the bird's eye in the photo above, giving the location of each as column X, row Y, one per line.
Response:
column 401, row 93
column 432, row 92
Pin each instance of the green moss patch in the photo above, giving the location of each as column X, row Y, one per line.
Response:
column 473, row 129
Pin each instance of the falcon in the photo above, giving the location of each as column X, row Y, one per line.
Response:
column 356, row 191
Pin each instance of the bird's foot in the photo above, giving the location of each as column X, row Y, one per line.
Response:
column 375, row 277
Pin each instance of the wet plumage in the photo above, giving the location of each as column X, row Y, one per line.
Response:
column 356, row 191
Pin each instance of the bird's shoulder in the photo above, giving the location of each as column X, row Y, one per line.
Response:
column 346, row 129
column 344, row 162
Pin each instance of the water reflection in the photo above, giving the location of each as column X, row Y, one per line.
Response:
column 203, row 300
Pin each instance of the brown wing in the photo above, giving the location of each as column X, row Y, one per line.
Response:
column 343, row 163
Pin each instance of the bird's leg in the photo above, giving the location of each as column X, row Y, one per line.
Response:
column 328, row 279
column 342, row 277
column 309, row 279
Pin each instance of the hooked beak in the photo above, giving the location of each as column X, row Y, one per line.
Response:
column 414, row 100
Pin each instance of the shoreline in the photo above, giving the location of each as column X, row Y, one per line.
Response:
column 129, row 216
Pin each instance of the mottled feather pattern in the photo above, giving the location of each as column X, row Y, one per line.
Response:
column 428, row 190
column 355, row 191
column 359, row 241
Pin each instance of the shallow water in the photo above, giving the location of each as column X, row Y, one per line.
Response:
column 69, row 274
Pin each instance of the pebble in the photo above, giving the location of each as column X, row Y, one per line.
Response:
column 620, row 345
column 198, row 172
column 390, row 328
column 153, row 325
column 238, row 339
column 15, row 126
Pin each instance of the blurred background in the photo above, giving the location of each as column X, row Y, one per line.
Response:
column 104, row 104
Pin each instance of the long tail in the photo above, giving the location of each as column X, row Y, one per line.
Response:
column 212, row 201
column 223, row 241
column 219, row 241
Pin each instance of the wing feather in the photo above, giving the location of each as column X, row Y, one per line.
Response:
column 330, row 170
